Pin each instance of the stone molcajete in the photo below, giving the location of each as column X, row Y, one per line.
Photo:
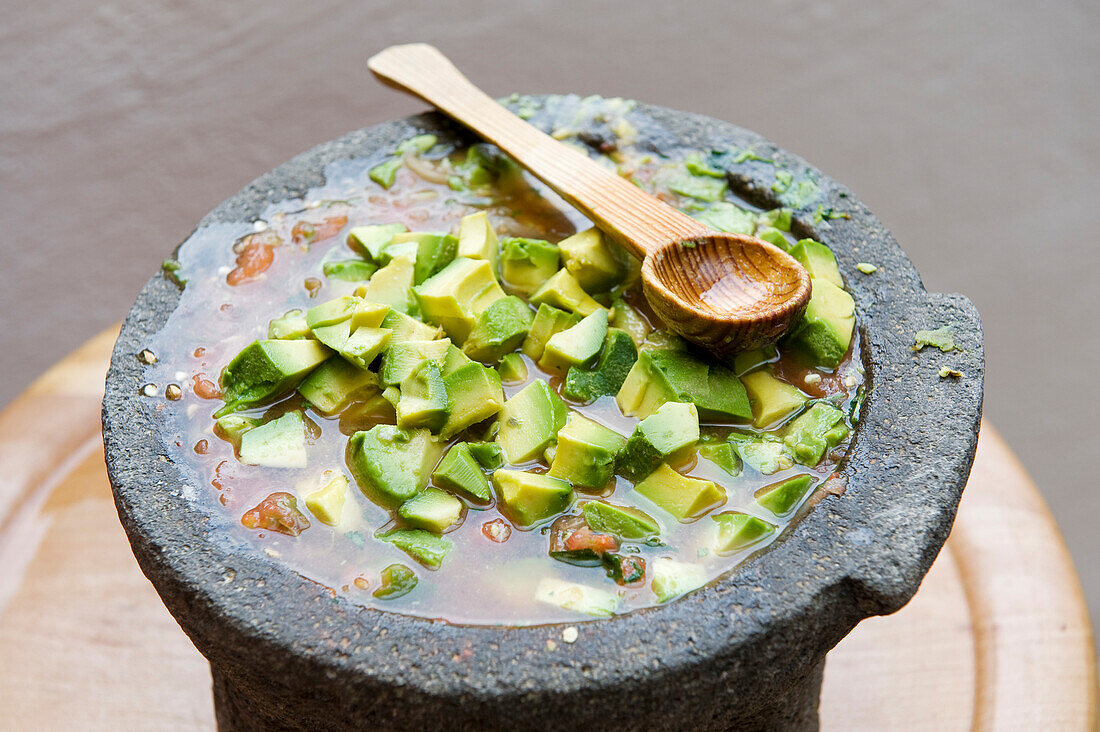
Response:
column 746, row 652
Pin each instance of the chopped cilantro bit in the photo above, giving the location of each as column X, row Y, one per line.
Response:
column 783, row 180
column 697, row 166
column 950, row 373
column 828, row 214
column 942, row 338
column 727, row 217
column 385, row 173
column 418, row 144
column 171, row 269
column 866, row 268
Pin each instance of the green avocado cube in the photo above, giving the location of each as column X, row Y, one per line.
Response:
column 586, row 452
column 291, row 326
column 327, row 503
column 593, row 259
column 433, row 252
column 397, row 581
column 423, row 546
column 530, row 421
column 265, row 370
column 473, row 395
column 391, row 285
column 456, row 295
column 737, row 531
column 281, row 443
column 460, row 472
column 577, row 597
column 660, row 376
column 488, row 454
column 824, row 332
column 748, row 361
column 809, row 435
column 230, row 427
column 390, row 464
column 369, row 241
column 818, row 260
column 671, row 578
column 512, row 368
column 349, row 270
column 627, row 318
column 529, row 498
column 615, row 361
column 679, row 495
column 432, row 510
column 454, row 360
column 575, row 346
column 666, row 436
column 548, row 321
column 477, row 240
column 563, row 291
column 772, row 400
column 402, row 358
column 335, row 384
column 774, row 236
column 784, row 497
column 407, row 328
column 423, row 401
column 724, row 456
column 625, row 522
column 527, row 263
column 766, row 454
column 499, row 329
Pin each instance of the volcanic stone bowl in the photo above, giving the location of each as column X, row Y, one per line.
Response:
column 745, row 652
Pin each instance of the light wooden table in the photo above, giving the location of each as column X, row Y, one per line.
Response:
column 997, row 638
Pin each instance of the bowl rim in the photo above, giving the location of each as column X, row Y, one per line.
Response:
column 857, row 554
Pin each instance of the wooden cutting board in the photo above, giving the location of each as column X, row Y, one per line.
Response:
column 997, row 638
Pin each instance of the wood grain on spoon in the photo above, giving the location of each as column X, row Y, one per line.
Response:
column 726, row 292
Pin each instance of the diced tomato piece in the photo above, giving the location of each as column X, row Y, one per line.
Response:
column 278, row 512
column 586, row 538
column 306, row 232
column 497, row 530
column 253, row 260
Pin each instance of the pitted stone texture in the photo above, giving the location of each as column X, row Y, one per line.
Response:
column 746, row 652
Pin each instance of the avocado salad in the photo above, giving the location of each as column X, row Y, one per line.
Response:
column 434, row 388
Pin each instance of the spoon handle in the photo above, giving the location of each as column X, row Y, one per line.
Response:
column 629, row 215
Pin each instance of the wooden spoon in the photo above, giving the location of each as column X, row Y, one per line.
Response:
column 726, row 292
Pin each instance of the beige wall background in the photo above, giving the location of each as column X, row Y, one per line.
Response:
column 971, row 128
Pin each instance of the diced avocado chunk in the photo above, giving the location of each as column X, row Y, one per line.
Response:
column 586, row 452
column 473, row 395
column 606, row 378
column 488, row 454
column 665, row 376
column 455, row 296
column 432, row 510
column 527, row 263
column 397, row 581
column 336, row 383
column 563, row 291
column 679, row 495
column 530, row 421
column 371, row 240
column 385, row 173
column 593, row 259
column 402, row 358
column 667, row 435
column 390, row 464
column 818, row 260
column 548, row 321
column 291, row 326
column 230, row 427
column 391, row 285
column 358, row 311
column 576, row 346
column 824, row 331
column 724, row 456
column 328, row 503
column 625, row 522
column 433, row 252
column 737, row 531
column 577, row 597
column 360, row 346
column 392, row 394
column 281, row 443
column 671, row 579
column 499, row 329
column 512, row 368
column 772, row 400
column 349, row 270
column 748, row 361
column 628, row 318
column 809, row 435
column 774, row 236
column 766, row 454
column 455, row 360
column 416, row 145
column 477, row 240
column 407, row 328
column 784, row 497
column 528, row 498
column 460, row 472
column 423, row 546
column 423, row 400
column 266, row 370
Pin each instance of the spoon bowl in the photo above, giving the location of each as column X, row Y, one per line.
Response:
column 726, row 292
